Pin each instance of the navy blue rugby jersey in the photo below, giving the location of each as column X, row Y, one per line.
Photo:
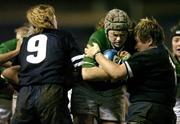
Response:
column 48, row 57
column 152, row 77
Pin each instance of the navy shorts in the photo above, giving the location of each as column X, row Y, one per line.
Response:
column 46, row 104
column 150, row 113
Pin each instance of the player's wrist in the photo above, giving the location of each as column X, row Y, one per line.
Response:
column 98, row 52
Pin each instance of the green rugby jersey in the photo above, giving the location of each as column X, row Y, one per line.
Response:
column 100, row 38
column 6, row 47
column 177, row 65
column 5, row 90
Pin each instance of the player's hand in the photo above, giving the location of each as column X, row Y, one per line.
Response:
column 124, row 55
column 90, row 51
column 117, row 57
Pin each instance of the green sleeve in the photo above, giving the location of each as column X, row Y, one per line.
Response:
column 98, row 37
column 87, row 61
column 177, row 69
column 1, row 69
column 8, row 46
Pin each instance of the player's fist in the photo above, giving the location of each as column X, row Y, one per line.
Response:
column 110, row 54
column 124, row 55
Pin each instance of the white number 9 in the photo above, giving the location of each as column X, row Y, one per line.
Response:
column 37, row 46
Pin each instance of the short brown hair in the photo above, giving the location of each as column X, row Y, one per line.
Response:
column 149, row 28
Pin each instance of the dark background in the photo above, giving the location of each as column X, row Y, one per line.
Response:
column 81, row 16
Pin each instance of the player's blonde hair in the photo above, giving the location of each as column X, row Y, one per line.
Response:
column 41, row 16
column 100, row 24
column 149, row 28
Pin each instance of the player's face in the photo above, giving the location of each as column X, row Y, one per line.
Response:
column 176, row 45
column 117, row 38
column 141, row 46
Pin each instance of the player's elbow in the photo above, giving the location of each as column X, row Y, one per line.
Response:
column 116, row 76
column 118, row 73
column 85, row 75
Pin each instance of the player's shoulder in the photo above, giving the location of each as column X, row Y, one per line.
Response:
column 98, row 36
column 99, row 33
column 59, row 32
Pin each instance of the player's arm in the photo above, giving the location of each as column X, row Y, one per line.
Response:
column 90, row 70
column 7, row 64
column 94, row 73
column 7, row 56
column 11, row 74
column 115, row 71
